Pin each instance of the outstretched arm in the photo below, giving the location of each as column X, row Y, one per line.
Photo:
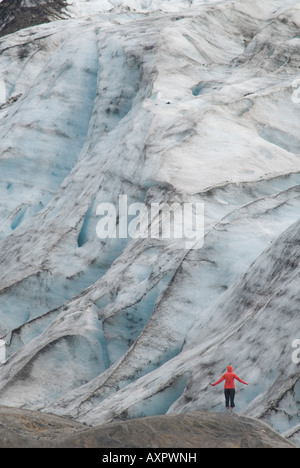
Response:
column 219, row 381
column 240, row 380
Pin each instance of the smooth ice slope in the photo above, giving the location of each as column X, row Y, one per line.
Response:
column 184, row 101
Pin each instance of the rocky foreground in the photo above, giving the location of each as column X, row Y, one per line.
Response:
column 33, row 429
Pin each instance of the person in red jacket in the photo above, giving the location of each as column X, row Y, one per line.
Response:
column 229, row 387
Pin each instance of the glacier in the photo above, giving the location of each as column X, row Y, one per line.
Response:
column 186, row 101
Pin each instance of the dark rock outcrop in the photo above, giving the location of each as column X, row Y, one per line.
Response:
column 15, row 15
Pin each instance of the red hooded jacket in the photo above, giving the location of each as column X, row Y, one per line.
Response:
column 229, row 379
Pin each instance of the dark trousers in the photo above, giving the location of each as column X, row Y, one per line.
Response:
column 229, row 397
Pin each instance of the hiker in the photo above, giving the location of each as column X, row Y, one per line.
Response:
column 229, row 388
